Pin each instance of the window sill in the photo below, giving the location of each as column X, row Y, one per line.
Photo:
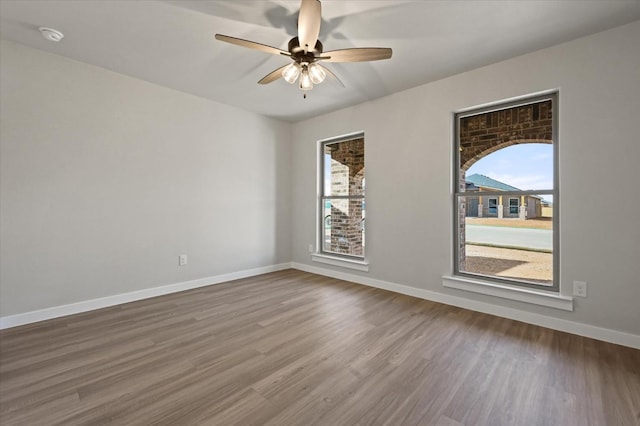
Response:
column 358, row 265
column 551, row 300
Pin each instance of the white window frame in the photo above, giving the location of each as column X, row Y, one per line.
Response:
column 360, row 263
column 493, row 282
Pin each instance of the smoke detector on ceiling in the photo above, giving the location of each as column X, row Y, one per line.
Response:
column 51, row 34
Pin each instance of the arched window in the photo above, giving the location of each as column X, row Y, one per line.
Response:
column 506, row 201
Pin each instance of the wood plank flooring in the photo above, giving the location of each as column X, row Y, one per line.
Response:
column 293, row 348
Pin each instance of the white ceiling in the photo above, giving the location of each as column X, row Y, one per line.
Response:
column 171, row 42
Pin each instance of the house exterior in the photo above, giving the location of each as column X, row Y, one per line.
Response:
column 507, row 206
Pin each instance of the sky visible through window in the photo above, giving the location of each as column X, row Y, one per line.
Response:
column 327, row 173
column 525, row 166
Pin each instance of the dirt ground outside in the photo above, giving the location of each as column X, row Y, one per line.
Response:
column 507, row 263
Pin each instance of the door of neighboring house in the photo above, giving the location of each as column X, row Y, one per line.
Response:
column 493, row 207
column 514, row 206
column 472, row 207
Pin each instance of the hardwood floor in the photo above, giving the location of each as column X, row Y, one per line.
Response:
column 293, row 348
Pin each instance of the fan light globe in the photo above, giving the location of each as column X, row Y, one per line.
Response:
column 290, row 72
column 316, row 73
column 305, row 80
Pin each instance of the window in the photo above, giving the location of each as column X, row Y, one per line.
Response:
column 514, row 206
column 342, row 199
column 493, row 206
column 506, row 156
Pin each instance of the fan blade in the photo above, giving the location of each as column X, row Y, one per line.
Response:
column 358, row 54
column 309, row 20
column 273, row 75
column 251, row 45
column 332, row 75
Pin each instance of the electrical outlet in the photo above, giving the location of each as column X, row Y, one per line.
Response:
column 580, row 288
column 182, row 260
column 310, row 248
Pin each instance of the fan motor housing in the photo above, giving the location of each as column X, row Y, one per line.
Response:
column 298, row 52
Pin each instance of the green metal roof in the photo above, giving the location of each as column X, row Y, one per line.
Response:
column 487, row 182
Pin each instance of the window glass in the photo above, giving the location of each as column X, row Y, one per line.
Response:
column 344, row 168
column 514, row 206
column 342, row 200
column 506, row 218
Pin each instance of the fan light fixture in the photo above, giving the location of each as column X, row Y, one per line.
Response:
column 306, row 51
column 310, row 74
column 306, row 82
column 316, row 73
column 291, row 72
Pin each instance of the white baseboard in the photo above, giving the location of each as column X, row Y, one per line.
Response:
column 103, row 302
column 604, row 334
column 580, row 329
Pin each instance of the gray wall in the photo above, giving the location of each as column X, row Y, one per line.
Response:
column 409, row 202
column 106, row 179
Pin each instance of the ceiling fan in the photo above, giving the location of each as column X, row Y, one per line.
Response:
column 305, row 51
